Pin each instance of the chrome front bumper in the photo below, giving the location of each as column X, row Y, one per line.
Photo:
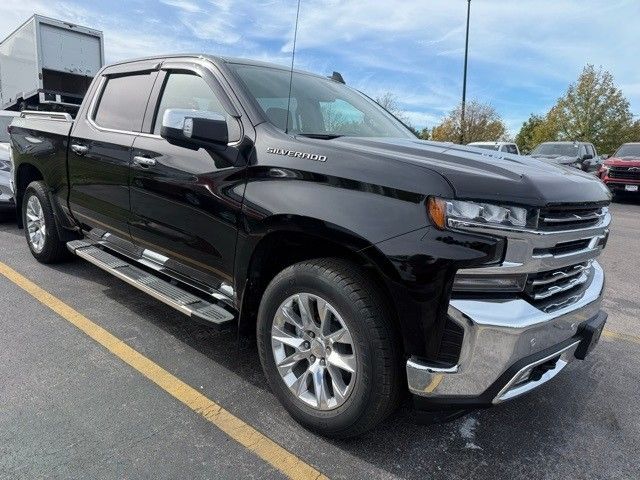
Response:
column 498, row 335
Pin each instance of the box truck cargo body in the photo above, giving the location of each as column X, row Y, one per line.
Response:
column 48, row 64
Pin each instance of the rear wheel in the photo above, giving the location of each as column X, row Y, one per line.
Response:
column 329, row 347
column 40, row 225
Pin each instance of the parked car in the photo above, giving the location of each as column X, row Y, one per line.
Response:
column 621, row 172
column 7, row 205
column 506, row 147
column 581, row 155
column 367, row 262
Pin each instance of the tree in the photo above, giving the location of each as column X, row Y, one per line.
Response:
column 527, row 136
column 389, row 102
column 482, row 123
column 592, row 110
column 424, row 134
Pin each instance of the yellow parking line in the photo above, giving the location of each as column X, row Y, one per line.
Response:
column 247, row 436
column 620, row 336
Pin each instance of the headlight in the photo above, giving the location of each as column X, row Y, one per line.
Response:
column 442, row 212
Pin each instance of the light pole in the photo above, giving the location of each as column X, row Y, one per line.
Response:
column 464, row 80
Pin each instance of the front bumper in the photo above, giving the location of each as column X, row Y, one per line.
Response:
column 504, row 341
column 620, row 184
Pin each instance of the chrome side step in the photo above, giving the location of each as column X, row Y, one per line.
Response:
column 158, row 288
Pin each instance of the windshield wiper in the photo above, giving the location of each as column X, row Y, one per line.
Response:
column 321, row 136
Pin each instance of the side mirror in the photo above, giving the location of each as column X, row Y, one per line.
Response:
column 586, row 164
column 588, row 156
column 194, row 128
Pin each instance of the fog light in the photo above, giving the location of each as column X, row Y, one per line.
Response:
column 485, row 283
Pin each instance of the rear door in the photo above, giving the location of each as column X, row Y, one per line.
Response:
column 185, row 203
column 100, row 151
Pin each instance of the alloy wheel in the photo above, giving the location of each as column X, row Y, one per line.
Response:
column 36, row 224
column 314, row 351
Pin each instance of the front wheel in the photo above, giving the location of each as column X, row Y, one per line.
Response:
column 329, row 347
column 40, row 225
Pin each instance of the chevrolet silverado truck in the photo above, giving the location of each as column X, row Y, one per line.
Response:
column 621, row 172
column 367, row 263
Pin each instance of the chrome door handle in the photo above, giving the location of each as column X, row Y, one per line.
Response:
column 144, row 161
column 79, row 149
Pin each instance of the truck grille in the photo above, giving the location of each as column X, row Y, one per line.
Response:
column 541, row 286
column 627, row 173
column 570, row 218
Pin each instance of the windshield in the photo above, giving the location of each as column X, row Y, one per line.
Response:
column 631, row 150
column 4, row 123
column 557, row 150
column 319, row 106
column 487, row 147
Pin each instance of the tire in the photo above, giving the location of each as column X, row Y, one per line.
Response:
column 355, row 304
column 47, row 246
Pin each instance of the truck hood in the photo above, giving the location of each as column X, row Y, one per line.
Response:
column 482, row 174
column 622, row 162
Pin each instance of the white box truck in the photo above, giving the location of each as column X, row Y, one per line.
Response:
column 48, row 64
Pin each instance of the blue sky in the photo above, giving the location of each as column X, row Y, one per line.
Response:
column 523, row 53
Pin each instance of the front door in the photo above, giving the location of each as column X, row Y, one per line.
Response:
column 185, row 203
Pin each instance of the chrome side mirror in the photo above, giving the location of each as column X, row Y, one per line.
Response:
column 194, row 128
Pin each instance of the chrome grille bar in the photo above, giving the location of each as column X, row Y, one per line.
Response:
column 559, row 288
column 560, row 275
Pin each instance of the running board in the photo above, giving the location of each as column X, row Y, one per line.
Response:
column 162, row 290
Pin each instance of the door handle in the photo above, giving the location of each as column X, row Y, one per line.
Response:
column 144, row 162
column 79, row 149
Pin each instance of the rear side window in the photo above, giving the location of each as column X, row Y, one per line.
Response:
column 123, row 102
column 186, row 91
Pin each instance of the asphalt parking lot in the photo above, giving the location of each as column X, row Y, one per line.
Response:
column 71, row 408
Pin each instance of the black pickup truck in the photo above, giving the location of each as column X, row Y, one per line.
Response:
column 366, row 262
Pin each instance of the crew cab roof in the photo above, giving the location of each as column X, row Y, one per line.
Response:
column 213, row 58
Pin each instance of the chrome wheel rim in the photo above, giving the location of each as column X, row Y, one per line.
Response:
column 314, row 351
column 35, row 224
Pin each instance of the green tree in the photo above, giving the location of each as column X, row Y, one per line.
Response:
column 425, row 134
column 594, row 110
column 482, row 123
column 527, row 136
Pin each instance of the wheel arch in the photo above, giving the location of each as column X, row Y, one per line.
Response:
column 296, row 239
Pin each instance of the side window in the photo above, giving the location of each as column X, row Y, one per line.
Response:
column 511, row 149
column 123, row 102
column 186, row 91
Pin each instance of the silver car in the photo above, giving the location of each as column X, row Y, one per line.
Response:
column 6, row 190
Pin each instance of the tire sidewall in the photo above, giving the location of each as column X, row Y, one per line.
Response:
column 36, row 190
column 304, row 280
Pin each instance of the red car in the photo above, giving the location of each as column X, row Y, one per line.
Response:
column 621, row 173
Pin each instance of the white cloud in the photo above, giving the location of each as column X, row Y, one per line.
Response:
column 522, row 54
column 183, row 5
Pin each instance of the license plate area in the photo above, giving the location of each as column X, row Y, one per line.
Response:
column 631, row 188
